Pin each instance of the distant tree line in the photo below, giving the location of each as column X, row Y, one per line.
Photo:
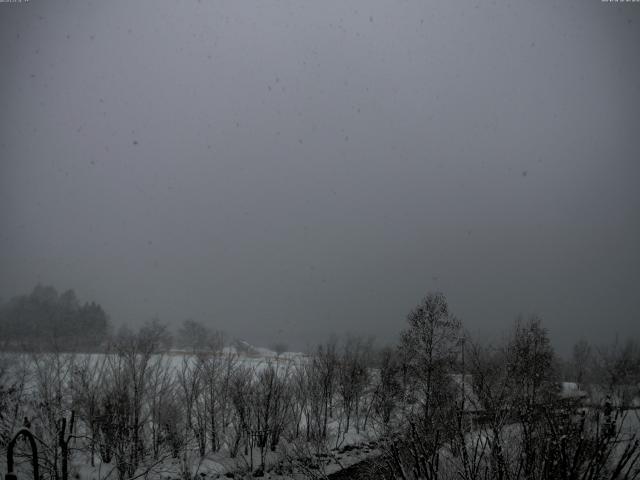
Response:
column 46, row 319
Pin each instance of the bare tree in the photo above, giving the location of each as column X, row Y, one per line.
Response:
column 581, row 361
column 191, row 389
column 87, row 385
column 194, row 336
column 353, row 378
column 51, row 404
column 429, row 346
column 161, row 393
column 387, row 392
column 240, row 389
column 617, row 369
column 325, row 364
column 431, row 340
column 125, row 408
column 300, row 392
column 531, row 364
column 14, row 373
column 218, row 368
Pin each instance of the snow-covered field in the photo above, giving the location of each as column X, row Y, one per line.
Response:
column 39, row 376
column 249, row 395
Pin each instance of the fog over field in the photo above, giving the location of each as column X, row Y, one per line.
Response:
column 286, row 170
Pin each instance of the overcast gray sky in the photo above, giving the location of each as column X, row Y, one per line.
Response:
column 287, row 169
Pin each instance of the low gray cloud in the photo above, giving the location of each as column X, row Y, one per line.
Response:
column 285, row 169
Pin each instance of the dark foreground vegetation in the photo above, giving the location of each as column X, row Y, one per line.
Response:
column 440, row 405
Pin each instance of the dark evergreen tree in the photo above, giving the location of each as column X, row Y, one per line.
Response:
column 47, row 320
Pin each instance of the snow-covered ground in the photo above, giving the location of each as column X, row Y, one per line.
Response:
column 340, row 451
